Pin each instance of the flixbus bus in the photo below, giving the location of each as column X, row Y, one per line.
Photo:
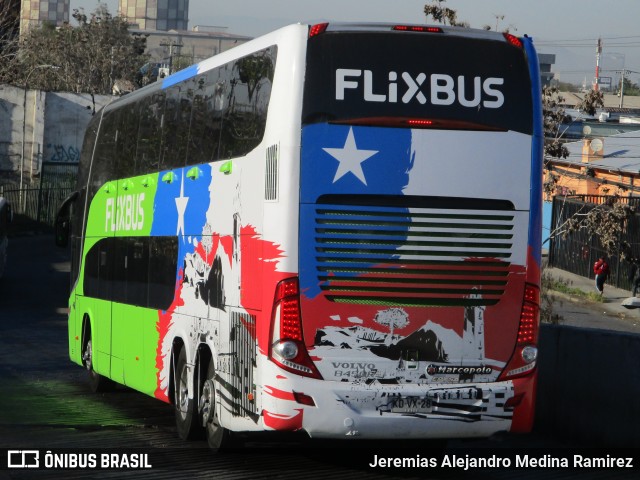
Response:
column 332, row 229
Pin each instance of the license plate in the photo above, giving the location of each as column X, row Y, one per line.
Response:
column 411, row 405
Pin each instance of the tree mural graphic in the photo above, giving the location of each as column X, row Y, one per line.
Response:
column 392, row 318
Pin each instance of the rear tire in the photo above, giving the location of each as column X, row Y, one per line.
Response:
column 218, row 437
column 187, row 423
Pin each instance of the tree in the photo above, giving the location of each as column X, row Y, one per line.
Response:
column 607, row 221
column 9, row 29
column 553, row 116
column 630, row 89
column 393, row 318
column 88, row 58
column 444, row 15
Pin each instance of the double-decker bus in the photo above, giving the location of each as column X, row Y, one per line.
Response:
column 332, row 228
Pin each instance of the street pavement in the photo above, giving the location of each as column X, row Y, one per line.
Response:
column 577, row 311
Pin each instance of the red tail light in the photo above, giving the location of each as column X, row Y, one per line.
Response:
column 287, row 348
column 405, row 122
column 523, row 360
column 513, row 40
column 317, row 29
column 417, row 28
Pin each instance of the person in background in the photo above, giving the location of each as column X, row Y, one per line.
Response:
column 601, row 269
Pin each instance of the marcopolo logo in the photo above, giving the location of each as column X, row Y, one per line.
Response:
column 451, row 370
column 437, row 88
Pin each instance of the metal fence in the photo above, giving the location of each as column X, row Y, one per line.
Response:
column 39, row 201
column 576, row 252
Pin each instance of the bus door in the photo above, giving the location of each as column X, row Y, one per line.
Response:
column 142, row 275
column 93, row 297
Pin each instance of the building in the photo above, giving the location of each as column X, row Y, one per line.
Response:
column 599, row 166
column 34, row 13
column 161, row 15
column 546, row 60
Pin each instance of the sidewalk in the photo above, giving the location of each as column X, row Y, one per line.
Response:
column 610, row 314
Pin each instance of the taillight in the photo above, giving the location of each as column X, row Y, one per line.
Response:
column 420, row 123
column 317, row 29
column 405, row 122
column 525, row 355
column 287, row 348
column 417, row 28
column 513, row 40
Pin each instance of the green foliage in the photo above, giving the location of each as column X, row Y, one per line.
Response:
column 630, row 89
column 83, row 59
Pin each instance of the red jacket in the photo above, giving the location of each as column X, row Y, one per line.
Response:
column 601, row 267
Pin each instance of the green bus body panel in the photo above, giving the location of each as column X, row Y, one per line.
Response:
column 122, row 208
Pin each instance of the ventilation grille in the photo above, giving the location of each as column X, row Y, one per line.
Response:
column 243, row 343
column 271, row 176
column 413, row 256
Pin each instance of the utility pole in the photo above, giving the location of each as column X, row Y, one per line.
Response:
column 622, row 87
column 623, row 73
column 171, row 45
column 598, row 52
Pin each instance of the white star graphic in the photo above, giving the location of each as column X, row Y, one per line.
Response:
column 350, row 158
column 181, row 205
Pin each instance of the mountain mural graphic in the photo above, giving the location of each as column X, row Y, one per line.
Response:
column 429, row 342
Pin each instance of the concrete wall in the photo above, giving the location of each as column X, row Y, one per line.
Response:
column 53, row 123
column 589, row 386
column 67, row 116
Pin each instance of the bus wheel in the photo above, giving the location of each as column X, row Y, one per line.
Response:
column 186, row 422
column 218, row 437
column 97, row 383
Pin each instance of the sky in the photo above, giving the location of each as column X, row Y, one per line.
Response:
column 567, row 28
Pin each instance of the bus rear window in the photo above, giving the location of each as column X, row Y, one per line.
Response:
column 421, row 81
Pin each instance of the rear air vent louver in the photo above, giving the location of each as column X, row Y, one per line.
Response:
column 271, row 174
column 419, row 252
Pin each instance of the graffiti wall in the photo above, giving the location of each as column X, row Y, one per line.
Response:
column 46, row 126
column 67, row 116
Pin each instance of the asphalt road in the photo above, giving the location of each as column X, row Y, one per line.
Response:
column 45, row 403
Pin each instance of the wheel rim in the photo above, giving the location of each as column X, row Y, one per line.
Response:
column 207, row 402
column 182, row 392
column 87, row 356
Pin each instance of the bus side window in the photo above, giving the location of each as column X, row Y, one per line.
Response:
column 244, row 120
column 62, row 224
column 127, row 141
column 198, row 150
column 163, row 255
column 150, row 134
column 175, row 132
column 105, row 153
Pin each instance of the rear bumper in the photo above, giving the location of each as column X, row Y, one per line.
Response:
column 374, row 411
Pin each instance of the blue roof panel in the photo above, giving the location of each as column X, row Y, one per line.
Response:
column 180, row 76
